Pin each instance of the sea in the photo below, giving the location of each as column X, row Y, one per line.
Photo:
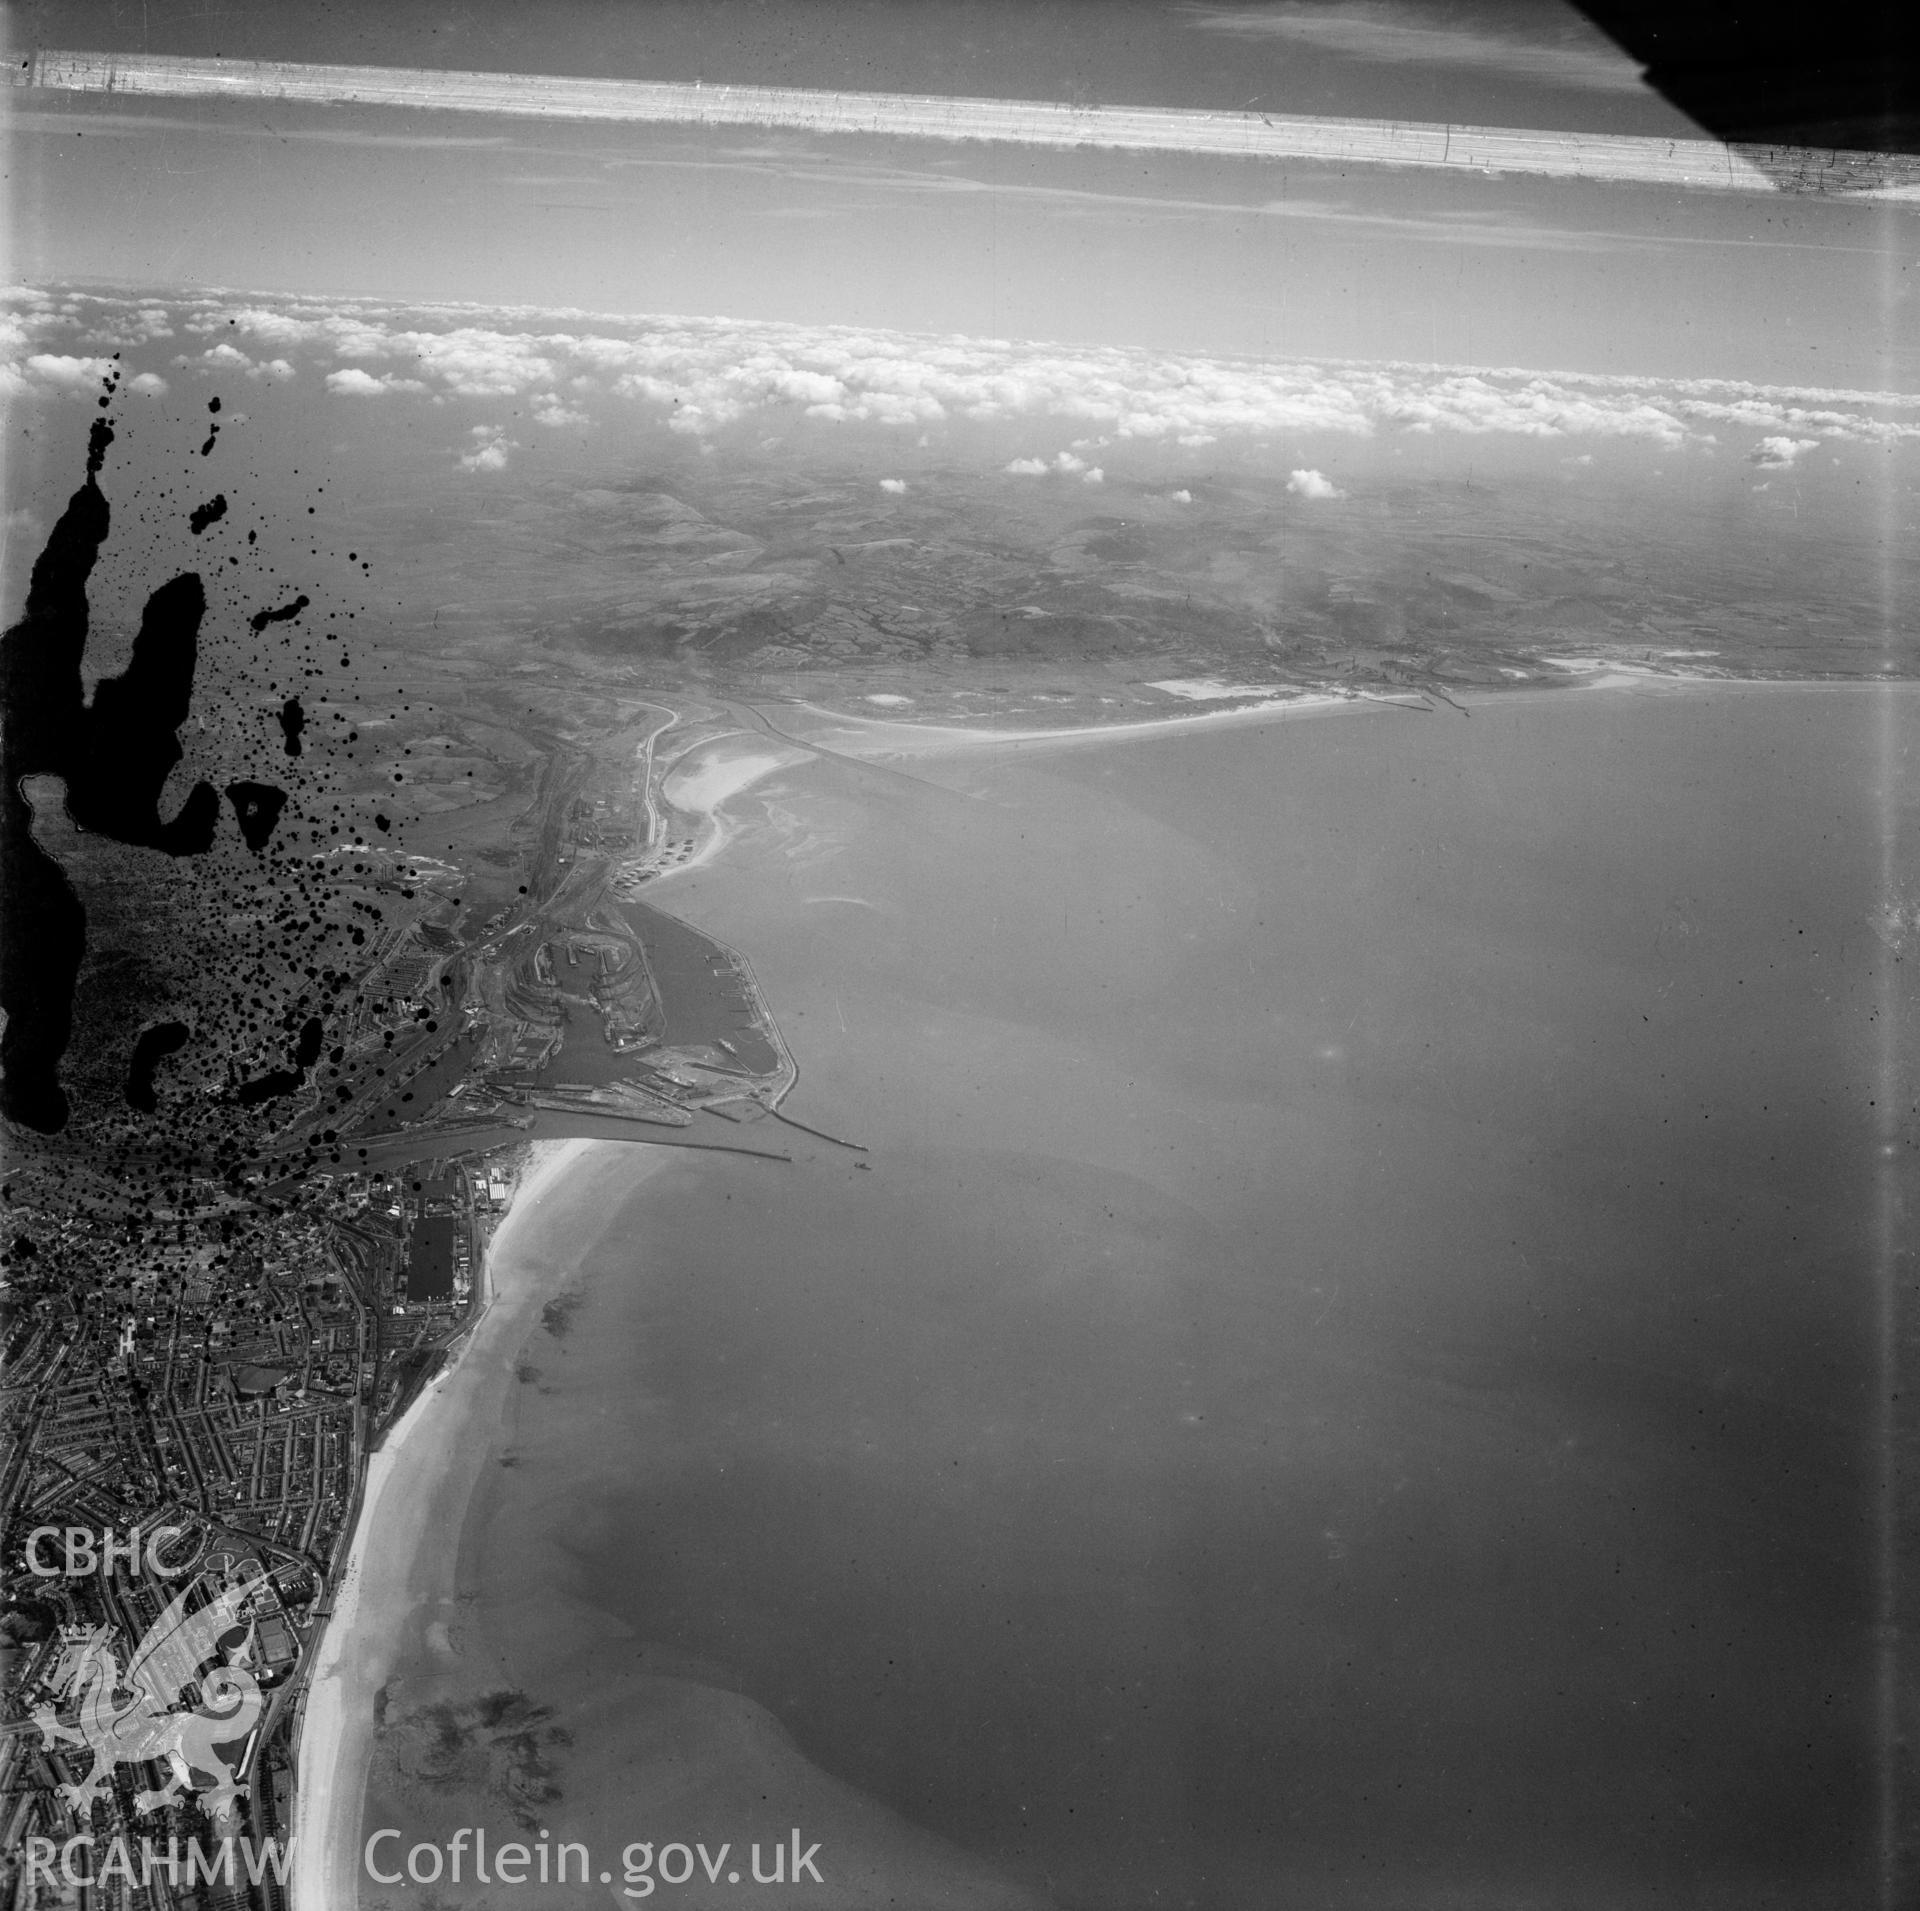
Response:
column 1347, row 1363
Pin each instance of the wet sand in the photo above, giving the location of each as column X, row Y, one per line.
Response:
column 518, row 1699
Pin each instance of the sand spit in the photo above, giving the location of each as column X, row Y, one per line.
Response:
column 878, row 739
column 414, row 1483
column 886, row 736
column 716, row 773
column 698, row 785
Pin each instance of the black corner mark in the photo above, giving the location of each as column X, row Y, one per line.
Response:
column 256, row 808
column 153, row 1047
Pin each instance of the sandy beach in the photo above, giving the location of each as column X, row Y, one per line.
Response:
column 520, row 1695
column 421, row 1473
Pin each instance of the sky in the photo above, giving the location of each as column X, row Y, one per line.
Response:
column 1162, row 251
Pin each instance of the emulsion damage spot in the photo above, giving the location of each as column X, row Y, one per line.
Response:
column 262, row 618
column 153, row 1047
column 132, row 740
column 256, row 807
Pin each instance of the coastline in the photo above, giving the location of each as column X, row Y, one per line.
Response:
column 1323, row 1186
column 439, row 1503
column 905, row 737
column 881, row 740
column 408, row 1478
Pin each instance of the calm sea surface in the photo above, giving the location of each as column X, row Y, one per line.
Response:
column 1351, row 1375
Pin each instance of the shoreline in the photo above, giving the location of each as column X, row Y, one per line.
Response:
column 893, row 736
column 336, row 1721
column 406, row 1487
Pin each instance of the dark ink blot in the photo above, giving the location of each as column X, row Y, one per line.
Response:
column 269, row 1087
column 283, row 1081
column 114, row 759
column 213, row 404
column 312, row 1034
column 211, row 436
column 209, row 513
column 132, row 743
column 153, row 1047
column 383, row 823
column 293, row 720
column 42, row 925
column 262, row 618
column 256, row 807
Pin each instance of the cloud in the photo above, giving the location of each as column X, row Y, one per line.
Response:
column 352, row 382
column 549, row 411
column 1775, row 454
column 466, row 361
column 1312, row 484
column 225, row 357
column 703, row 377
column 1065, row 462
column 894, row 486
column 1568, row 54
column 1181, row 497
column 148, row 385
column 490, row 449
column 69, row 374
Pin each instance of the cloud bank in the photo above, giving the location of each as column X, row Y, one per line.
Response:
column 704, row 377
